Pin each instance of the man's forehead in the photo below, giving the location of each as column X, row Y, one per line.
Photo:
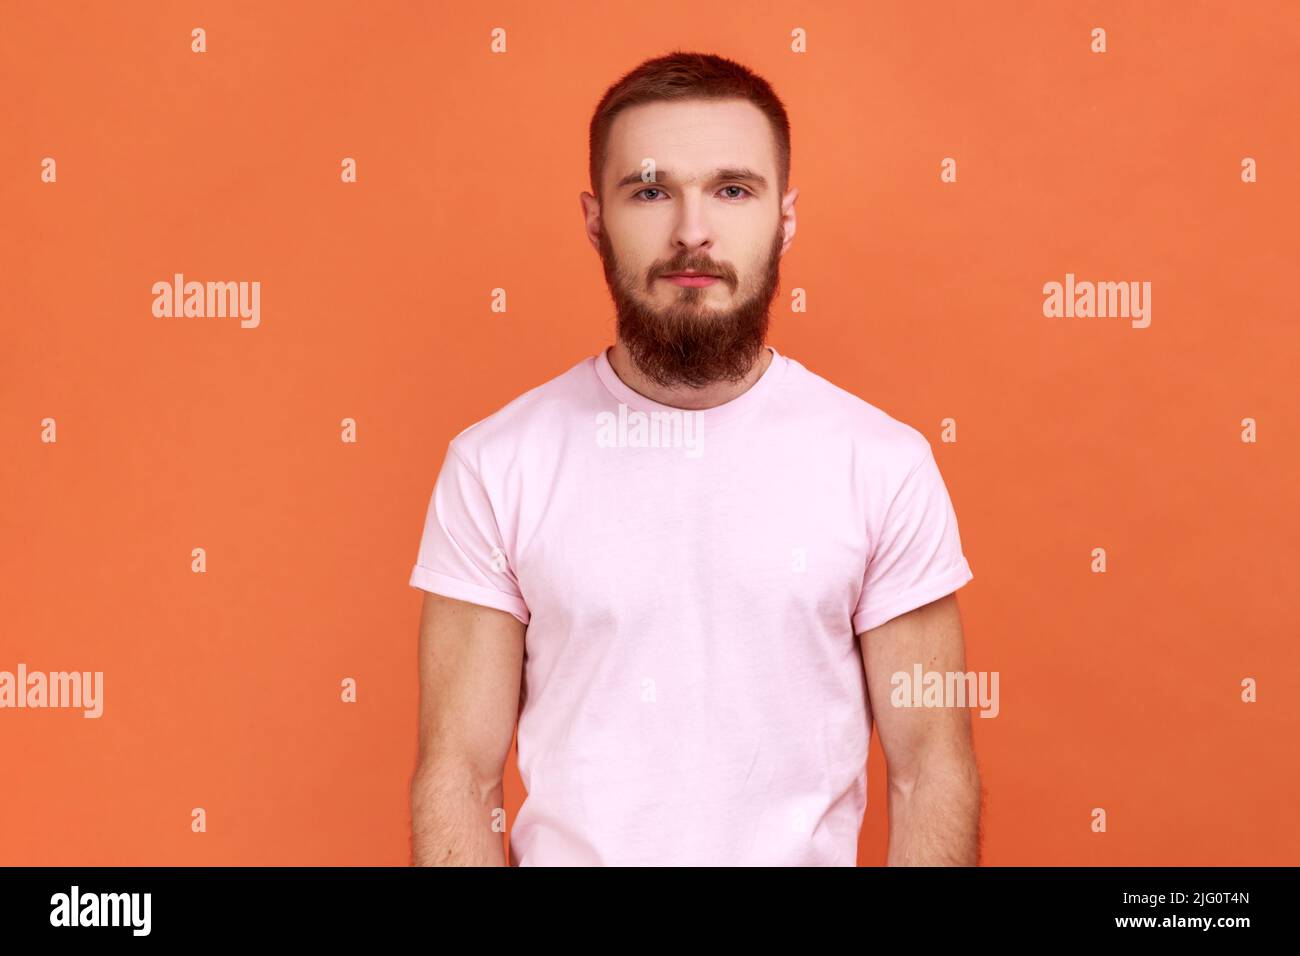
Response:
column 690, row 137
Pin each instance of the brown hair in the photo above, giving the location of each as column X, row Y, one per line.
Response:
column 687, row 76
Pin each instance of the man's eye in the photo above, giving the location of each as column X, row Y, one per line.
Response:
column 639, row 195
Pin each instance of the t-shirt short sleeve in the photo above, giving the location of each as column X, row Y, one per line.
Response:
column 462, row 554
column 916, row 556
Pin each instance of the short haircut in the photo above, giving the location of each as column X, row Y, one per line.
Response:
column 687, row 76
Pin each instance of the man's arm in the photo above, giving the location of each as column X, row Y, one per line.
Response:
column 471, row 663
column 934, row 784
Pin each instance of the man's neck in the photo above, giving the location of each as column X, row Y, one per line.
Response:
column 683, row 396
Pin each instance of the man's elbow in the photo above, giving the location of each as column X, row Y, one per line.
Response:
column 952, row 769
column 457, row 780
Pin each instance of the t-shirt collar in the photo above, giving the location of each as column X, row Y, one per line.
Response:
column 727, row 411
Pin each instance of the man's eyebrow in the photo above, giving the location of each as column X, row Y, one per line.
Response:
column 727, row 172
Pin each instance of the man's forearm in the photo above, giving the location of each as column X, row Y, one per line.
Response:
column 934, row 817
column 453, row 819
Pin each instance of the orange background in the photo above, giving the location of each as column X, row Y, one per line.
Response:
column 1119, row 690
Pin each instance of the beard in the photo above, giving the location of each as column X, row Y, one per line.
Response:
column 690, row 342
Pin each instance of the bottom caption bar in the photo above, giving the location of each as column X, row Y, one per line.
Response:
column 210, row 904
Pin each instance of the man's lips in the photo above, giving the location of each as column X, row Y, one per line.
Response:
column 690, row 278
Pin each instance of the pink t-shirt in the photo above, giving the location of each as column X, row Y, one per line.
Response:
column 692, row 582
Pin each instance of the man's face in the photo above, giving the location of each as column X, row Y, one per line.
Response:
column 700, row 213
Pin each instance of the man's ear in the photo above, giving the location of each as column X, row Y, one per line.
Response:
column 592, row 223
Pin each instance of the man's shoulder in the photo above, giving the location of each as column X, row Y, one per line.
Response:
column 527, row 417
column 849, row 417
